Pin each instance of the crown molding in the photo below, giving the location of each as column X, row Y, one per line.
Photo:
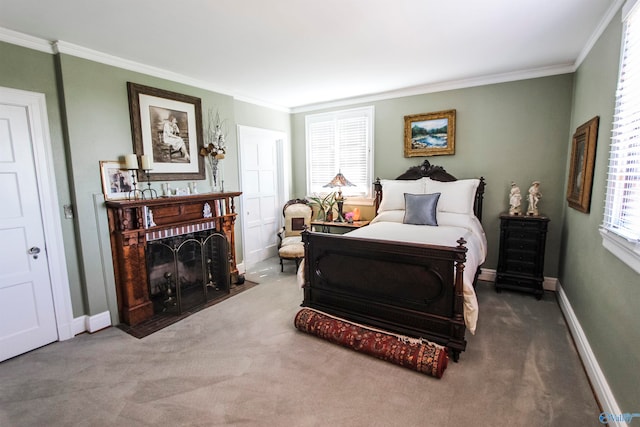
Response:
column 103, row 58
column 262, row 103
column 25, row 40
column 60, row 46
column 444, row 86
column 604, row 23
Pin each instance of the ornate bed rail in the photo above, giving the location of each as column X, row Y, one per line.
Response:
column 399, row 287
column 407, row 288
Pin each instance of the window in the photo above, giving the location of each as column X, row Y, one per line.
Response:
column 621, row 225
column 340, row 141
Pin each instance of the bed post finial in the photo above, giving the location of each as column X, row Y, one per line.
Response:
column 461, row 242
column 424, row 167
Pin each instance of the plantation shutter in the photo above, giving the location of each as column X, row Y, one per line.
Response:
column 622, row 205
column 340, row 141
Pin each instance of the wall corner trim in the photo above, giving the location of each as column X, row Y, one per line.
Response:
column 91, row 324
column 591, row 366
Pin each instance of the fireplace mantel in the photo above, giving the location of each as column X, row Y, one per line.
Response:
column 132, row 223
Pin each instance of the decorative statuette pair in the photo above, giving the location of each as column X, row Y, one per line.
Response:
column 515, row 198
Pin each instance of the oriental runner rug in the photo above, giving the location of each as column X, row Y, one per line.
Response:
column 419, row 355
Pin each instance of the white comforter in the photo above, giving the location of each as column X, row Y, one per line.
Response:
column 444, row 235
column 451, row 227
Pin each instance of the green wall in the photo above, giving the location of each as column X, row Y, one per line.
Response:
column 34, row 71
column 98, row 128
column 505, row 132
column 89, row 120
column 98, row 123
column 603, row 291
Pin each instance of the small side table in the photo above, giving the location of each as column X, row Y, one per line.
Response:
column 339, row 227
column 521, row 257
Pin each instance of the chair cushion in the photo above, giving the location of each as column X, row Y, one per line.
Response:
column 292, row 240
column 295, row 250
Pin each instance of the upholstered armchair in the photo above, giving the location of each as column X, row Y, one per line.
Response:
column 297, row 215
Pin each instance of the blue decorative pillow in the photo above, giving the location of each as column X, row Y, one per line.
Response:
column 420, row 209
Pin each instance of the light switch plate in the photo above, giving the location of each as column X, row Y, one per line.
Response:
column 68, row 211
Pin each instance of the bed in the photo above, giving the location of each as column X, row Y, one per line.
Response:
column 413, row 269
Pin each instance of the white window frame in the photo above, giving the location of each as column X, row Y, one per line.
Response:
column 364, row 192
column 623, row 243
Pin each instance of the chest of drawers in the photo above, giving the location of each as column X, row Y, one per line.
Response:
column 521, row 257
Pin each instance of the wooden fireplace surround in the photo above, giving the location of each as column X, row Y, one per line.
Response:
column 129, row 233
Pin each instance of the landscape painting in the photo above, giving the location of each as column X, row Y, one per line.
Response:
column 430, row 134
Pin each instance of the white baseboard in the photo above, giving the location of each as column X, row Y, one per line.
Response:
column 91, row 324
column 489, row 275
column 595, row 374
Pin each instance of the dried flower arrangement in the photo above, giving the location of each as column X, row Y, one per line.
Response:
column 214, row 148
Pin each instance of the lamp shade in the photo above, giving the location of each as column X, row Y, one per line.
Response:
column 339, row 181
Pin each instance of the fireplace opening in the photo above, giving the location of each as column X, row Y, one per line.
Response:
column 187, row 270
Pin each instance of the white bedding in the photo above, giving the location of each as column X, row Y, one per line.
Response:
column 454, row 218
column 445, row 235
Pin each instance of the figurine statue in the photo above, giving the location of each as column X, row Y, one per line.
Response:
column 206, row 212
column 150, row 222
column 534, row 196
column 514, row 200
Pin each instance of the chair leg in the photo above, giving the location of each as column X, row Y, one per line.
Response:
column 281, row 266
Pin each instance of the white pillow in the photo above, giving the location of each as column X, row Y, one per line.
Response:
column 393, row 192
column 389, row 216
column 455, row 196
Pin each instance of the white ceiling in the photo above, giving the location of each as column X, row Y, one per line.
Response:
column 297, row 53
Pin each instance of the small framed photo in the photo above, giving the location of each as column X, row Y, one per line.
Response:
column 583, row 155
column 116, row 180
column 430, row 134
column 168, row 127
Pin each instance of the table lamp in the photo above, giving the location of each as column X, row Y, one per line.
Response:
column 339, row 181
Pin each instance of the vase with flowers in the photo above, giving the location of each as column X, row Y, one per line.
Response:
column 214, row 150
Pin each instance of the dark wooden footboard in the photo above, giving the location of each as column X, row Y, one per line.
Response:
column 410, row 289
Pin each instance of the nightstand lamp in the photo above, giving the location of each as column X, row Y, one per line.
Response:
column 339, row 181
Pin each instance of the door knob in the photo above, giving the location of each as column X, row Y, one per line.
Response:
column 34, row 251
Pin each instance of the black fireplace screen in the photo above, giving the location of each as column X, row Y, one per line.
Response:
column 188, row 270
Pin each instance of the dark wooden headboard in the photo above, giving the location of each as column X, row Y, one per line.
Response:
column 436, row 173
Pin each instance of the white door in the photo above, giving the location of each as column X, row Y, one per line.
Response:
column 27, row 315
column 260, row 166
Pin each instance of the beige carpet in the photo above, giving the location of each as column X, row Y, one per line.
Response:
column 242, row 362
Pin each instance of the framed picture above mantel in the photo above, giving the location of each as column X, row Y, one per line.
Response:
column 168, row 127
column 430, row 134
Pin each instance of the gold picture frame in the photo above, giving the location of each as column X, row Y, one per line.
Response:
column 430, row 134
column 116, row 180
column 583, row 153
column 151, row 111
